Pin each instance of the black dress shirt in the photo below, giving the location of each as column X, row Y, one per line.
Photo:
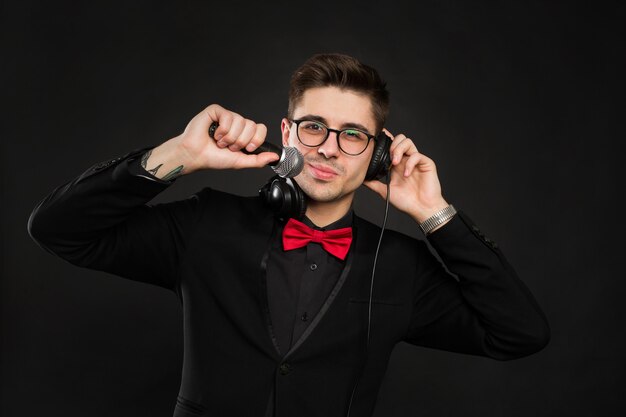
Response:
column 298, row 283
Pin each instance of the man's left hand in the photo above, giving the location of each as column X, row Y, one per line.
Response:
column 415, row 187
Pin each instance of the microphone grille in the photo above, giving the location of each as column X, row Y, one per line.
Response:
column 290, row 163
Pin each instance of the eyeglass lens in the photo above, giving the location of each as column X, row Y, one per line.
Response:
column 351, row 141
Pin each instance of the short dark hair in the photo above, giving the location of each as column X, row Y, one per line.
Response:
column 345, row 72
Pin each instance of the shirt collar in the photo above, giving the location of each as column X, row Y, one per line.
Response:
column 345, row 221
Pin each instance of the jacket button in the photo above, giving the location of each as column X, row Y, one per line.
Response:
column 284, row 369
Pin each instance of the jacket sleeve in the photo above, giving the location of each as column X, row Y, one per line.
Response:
column 101, row 220
column 487, row 310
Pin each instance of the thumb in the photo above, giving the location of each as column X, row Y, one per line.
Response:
column 377, row 186
column 258, row 161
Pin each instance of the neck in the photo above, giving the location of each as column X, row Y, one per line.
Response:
column 323, row 213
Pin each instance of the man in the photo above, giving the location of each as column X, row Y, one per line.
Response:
column 278, row 328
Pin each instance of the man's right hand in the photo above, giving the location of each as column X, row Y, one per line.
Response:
column 195, row 150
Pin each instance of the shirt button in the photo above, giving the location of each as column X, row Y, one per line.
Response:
column 284, row 369
column 313, row 267
column 304, row 317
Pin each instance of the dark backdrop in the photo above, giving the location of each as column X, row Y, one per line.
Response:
column 521, row 104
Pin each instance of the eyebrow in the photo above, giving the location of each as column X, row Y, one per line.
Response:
column 348, row 125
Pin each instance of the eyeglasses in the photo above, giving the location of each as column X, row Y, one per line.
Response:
column 312, row 133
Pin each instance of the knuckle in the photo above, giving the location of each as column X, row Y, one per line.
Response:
column 235, row 129
column 226, row 120
column 236, row 121
column 214, row 107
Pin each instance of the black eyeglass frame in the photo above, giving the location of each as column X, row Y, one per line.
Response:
column 328, row 131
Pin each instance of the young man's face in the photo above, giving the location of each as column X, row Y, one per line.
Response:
column 329, row 174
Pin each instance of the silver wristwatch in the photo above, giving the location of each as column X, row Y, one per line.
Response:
column 438, row 218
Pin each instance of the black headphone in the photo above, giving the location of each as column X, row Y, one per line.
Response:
column 286, row 198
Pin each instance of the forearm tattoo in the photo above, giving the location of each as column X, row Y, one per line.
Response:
column 176, row 172
column 144, row 162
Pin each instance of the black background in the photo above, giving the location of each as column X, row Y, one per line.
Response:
column 521, row 105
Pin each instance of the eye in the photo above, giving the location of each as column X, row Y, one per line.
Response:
column 313, row 127
column 354, row 135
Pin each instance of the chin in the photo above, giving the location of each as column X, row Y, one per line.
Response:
column 319, row 190
column 321, row 193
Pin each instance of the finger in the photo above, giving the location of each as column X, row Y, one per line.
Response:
column 422, row 162
column 225, row 120
column 397, row 141
column 244, row 137
column 236, row 127
column 258, row 138
column 396, row 149
column 411, row 163
column 377, row 186
column 214, row 113
column 406, row 147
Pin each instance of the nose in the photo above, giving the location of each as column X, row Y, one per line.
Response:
column 330, row 147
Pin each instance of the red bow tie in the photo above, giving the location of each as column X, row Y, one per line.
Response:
column 336, row 242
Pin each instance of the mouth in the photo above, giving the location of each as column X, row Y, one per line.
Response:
column 322, row 172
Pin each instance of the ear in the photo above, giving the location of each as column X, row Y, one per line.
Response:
column 285, row 127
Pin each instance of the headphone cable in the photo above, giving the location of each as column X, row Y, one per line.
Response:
column 369, row 308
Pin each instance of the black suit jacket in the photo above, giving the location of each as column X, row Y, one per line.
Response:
column 212, row 248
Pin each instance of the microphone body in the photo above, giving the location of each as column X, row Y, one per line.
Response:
column 291, row 160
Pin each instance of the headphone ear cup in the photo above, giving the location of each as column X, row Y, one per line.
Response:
column 381, row 158
column 298, row 207
column 284, row 197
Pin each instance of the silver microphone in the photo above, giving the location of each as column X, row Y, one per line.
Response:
column 291, row 160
